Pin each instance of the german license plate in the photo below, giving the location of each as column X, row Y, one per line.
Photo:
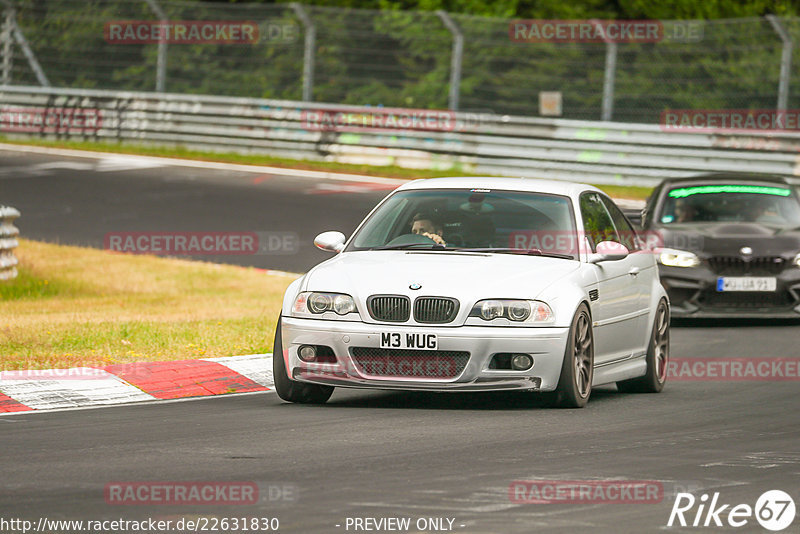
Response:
column 409, row 340
column 746, row 283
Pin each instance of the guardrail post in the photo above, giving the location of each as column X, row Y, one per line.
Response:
column 455, row 58
column 8, row 45
column 161, row 61
column 8, row 242
column 308, row 51
column 786, row 61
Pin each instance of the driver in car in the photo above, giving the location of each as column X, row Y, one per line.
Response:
column 684, row 212
column 754, row 211
column 427, row 225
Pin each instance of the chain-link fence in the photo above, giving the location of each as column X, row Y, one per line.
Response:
column 396, row 58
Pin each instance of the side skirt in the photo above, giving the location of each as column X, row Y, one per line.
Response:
column 618, row 370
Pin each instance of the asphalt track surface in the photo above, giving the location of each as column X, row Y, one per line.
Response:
column 79, row 201
column 379, row 454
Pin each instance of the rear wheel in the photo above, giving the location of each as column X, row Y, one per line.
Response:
column 292, row 390
column 575, row 383
column 657, row 357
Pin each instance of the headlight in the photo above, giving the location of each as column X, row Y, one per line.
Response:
column 797, row 260
column 310, row 304
column 491, row 309
column 514, row 311
column 677, row 258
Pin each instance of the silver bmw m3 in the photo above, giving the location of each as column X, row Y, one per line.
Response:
column 478, row 284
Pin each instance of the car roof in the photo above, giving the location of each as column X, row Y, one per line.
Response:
column 535, row 185
column 727, row 177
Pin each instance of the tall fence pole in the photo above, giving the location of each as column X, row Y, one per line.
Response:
column 161, row 61
column 19, row 37
column 455, row 58
column 8, row 45
column 309, row 45
column 608, row 81
column 609, row 74
column 786, row 61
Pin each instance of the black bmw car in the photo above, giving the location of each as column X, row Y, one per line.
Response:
column 728, row 245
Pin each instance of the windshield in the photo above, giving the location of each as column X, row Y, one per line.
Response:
column 770, row 205
column 454, row 219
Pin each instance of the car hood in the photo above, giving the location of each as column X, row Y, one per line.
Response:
column 439, row 273
column 722, row 239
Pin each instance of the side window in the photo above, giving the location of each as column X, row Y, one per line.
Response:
column 627, row 234
column 597, row 222
column 650, row 207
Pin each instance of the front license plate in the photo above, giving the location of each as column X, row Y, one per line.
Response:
column 409, row 340
column 746, row 283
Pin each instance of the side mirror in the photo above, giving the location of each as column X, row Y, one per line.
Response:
column 609, row 251
column 330, row 241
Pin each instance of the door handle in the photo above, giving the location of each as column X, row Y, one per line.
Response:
column 634, row 271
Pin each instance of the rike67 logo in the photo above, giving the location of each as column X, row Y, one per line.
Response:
column 774, row 510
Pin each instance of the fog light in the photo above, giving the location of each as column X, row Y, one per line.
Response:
column 307, row 353
column 521, row 362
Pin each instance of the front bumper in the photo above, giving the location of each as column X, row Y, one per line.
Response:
column 692, row 293
column 545, row 345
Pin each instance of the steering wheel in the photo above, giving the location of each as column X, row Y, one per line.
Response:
column 410, row 239
column 455, row 240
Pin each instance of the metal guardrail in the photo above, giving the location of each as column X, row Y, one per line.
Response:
column 587, row 151
column 8, row 242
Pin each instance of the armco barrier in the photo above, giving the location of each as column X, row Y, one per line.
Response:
column 483, row 143
column 8, row 242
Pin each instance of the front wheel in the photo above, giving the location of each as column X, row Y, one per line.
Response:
column 575, row 383
column 657, row 357
column 292, row 390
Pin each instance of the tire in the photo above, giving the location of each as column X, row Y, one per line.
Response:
column 657, row 357
column 292, row 390
column 575, row 383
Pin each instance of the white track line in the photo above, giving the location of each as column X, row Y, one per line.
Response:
column 177, row 162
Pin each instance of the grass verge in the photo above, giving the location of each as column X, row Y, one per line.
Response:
column 73, row 306
column 388, row 171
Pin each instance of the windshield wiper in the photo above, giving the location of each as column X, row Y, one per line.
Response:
column 434, row 246
column 521, row 251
